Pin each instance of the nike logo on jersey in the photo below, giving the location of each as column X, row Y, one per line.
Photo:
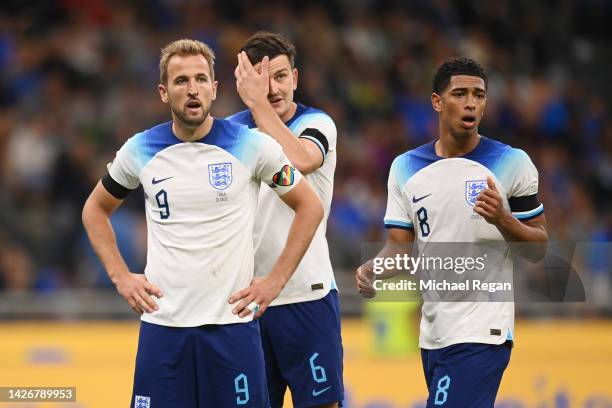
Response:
column 316, row 393
column 416, row 200
column 160, row 180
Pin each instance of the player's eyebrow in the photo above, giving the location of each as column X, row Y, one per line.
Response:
column 468, row 88
column 282, row 69
column 198, row 75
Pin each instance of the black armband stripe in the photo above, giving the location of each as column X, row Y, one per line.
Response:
column 525, row 203
column 399, row 225
column 390, row 226
column 317, row 135
column 114, row 188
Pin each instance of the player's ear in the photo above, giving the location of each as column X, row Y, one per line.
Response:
column 294, row 72
column 163, row 93
column 214, row 90
column 436, row 102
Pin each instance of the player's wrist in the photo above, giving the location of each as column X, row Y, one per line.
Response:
column 277, row 280
column 118, row 275
column 252, row 103
column 261, row 107
column 505, row 220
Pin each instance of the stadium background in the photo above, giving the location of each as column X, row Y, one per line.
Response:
column 78, row 77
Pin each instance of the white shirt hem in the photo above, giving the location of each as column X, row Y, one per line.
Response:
column 195, row 323
column 316, row 295
column 496, row 340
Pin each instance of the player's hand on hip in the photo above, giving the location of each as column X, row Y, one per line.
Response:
column 256, row 298
column 364, row 278
column 252, row 84
column 137, row 290
column 489, row 204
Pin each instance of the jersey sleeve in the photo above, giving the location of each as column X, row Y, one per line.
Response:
column 398, row 211
column 274, row 168
column 523, row 193
column 122, row 174
column 321, row 130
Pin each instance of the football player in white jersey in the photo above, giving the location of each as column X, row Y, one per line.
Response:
column 301, row 328
column 463, row 187
column 201, row 177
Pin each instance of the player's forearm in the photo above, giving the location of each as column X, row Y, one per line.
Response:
column 270, row 123
column 308, row 216
column 391, row 250
column 529, row 241
column 102, row 237
column 386, row 273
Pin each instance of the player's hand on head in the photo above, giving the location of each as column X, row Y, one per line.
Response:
column 364, row 278
column 256, row 298
column 138, row 292
column 489, row 203
column 252, row 84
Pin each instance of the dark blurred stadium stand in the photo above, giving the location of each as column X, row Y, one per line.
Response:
column 78, row 77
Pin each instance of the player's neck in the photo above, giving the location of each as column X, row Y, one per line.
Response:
column 189, row 134
column 450, row 146
column 289, row 114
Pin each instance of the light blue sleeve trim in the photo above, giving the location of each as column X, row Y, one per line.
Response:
column 398, row 224
column 529, row 214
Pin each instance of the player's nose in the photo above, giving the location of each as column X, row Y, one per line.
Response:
column 192, row 89
column 273, row 90
column 470, row 102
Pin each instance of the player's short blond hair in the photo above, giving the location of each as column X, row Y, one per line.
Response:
column 185, row 47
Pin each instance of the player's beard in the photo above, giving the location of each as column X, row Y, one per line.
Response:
column 464, row 134
column 185, row 120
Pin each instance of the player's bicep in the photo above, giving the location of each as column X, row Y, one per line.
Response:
column 301, row 194
column 322, row 134
column 399, row 235
column 100, row 198
column 314, row 158
column 538, row 222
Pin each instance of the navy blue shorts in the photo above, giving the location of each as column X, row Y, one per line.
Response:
column 205, row 366
column 465, row 375
column 303, row 350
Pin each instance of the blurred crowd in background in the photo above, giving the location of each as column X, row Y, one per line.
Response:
column 79, row 77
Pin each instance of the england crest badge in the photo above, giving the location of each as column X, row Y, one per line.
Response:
column 142, row 402
column 220, row 175
column 473, row 189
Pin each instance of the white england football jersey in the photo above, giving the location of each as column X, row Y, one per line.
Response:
column 314, row 276
column 200, row 201
column 435, row 196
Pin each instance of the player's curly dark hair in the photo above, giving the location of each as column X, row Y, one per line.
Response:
column 264, row 43
column 456, row 66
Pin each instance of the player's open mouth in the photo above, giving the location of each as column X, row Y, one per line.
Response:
column 193, row 105
column 275, row 101
column 468, row 120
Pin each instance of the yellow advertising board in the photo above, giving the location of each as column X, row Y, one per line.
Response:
column 555, row 364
